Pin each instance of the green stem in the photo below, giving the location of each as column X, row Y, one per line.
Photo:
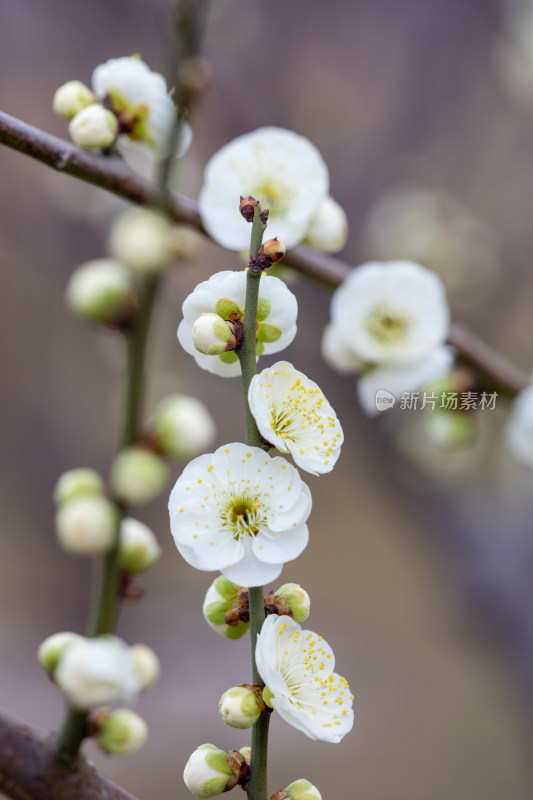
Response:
column 256, row 788
column 105, row 602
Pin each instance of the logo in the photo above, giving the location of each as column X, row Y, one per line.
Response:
column 384, row 400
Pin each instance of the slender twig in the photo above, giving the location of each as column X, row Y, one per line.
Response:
column 256, row 788
column 112, row 174
column 28, row 772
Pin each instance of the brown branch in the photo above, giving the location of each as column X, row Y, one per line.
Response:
column 111, row 173
column 27, row 770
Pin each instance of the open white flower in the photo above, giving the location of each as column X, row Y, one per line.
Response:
column 140, row 100
column 390, row 313
column 224, row 294
column 400, row 379
column 241, row 512
column 297, row 668
column 292, row 414
column 281, row 169
column 519, row 431
column 94, row 672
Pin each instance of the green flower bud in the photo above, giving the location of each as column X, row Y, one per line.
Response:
column 297, row 599
column 94, row 128
column 53, row 648
column 146, row 665
column 183, row 427
column 211, row 334
column 71, row 98
column 138, row 547
column 207, row 772
column 138, row 475
column 302, row 790
column 239, row 707
column 141, row 239
column 77, row 483
column 247, row 753
column 101, row 291
column 122, row 732
column 221, row 597
column 87, row 526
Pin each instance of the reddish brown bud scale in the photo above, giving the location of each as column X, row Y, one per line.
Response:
column 272, row 248
column 247, row 206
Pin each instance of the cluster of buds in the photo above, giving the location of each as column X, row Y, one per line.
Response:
column 270, row 251
column 93, row 672
column 87, row 521
column 226, row 606
column 91, row 125
column 211, row 771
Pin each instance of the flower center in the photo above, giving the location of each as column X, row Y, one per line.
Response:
column 132, row 120
column 243, row 515
column 387, row 326
column 272, row 196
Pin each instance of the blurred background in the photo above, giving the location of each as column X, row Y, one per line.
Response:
column 420, row 559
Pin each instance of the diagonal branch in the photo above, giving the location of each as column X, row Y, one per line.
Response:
column 27, row 770
column 111, row 173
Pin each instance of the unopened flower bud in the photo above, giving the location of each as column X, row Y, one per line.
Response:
column 247, row 753
column 71, row 98
column 302, row 790
column 138, row 475
column 77, row 483
column 297, row 599
column 207, row 772
column 222, row 597
column 101, row 291
column 194, row 75
column 183, row 427
column 247, row 207
column 185, row 242
column 53, row 648
column 328, row 230
column 142, row 240
column 273, row 249
column 138, row 547
column 87, row 526
column 121, row 732
column 239, row 707
column 94, row 128
column 212, row 335
column 146, row 665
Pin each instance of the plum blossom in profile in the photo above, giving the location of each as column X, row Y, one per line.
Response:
column 297, row 668
column 293, row 414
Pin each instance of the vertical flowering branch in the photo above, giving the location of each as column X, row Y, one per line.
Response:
column 91, row 125
column 256, row 787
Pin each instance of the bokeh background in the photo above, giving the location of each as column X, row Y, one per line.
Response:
column 420, row 559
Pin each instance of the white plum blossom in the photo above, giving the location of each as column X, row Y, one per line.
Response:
column 389, row 324
column 297, row 668
column 140, row 100
column 224, row 294
column 280, row 168
column 397, row 380
column 390, row 313
column 292, row 414
column 519, row 431
column 94, row 672
column 241, row 512
column 328, row 230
